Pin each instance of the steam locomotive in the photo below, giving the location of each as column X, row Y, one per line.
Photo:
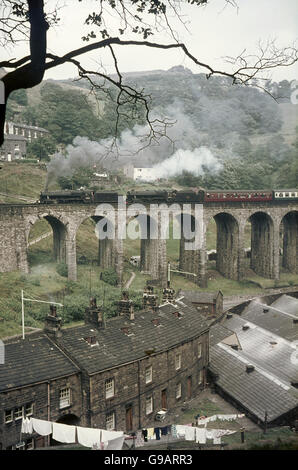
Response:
column 170, row 197
column 78, row 197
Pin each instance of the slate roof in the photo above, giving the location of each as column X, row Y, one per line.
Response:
column 114, row 347
column 287, row 304
column 34, row 359
column 269, row 344
column 263, row 348
column 273, row 320
column 254, row 391
column 198, row 296
column 218, row 333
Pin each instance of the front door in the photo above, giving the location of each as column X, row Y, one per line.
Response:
column 129, row 418
column 164, row 399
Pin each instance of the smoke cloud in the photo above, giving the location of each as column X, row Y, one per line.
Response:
column 194, row 162
column 182, row 150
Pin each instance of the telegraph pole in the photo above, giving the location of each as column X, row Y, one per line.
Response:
column 23, row 310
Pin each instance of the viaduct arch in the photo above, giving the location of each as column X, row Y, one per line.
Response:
column 270, row 223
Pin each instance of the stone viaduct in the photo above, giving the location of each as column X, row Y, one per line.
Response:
column 271, row 222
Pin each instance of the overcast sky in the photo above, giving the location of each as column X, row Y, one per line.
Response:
column 214, row 33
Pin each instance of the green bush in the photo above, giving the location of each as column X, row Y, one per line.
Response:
column 109, row 276
column 62, row 269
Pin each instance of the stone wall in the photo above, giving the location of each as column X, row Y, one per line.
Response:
column 266, row 220
column 43, row 408
column 131, row 388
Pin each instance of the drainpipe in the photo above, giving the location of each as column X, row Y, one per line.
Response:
column 139, row 390
column 49, row 408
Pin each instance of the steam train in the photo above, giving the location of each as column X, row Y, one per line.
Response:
column 170, row 197
column 202, row 196
column 78, row 197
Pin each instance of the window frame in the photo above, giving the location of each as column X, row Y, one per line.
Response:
column 148, row 381
column 178, row 387
column 199, row 351
column 113, row 416
column 16, row 416
column 62, row 398
column 29, row 405
column 5, row 416
column 179, row 357
column 109, row 391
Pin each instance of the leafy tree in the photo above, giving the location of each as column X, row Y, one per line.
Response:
column 41, row 148
column 109, row 276
column 62, row 269
column 81, row 177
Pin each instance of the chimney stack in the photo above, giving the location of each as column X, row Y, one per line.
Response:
column 124, row 305
column 168, row 295
column 93, row 314
column 53, row 323
column 131, row 313
column 149, row 298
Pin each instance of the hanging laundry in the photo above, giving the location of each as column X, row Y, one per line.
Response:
column 151, row 434
column 27, row 426
column 87, row 437
column 228, row 417
column 42, row 427
column 189, row 433
column 109, row 435
column 164, row 430
column 139, row 440
column 115, row 444
column 201, row 435
column 145, row 434
column 180, row 430
column 157, row 433
column 174, row 430
column 64, row 433
column 217, row 440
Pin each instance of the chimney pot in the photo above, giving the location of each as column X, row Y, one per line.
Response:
column 53, row 310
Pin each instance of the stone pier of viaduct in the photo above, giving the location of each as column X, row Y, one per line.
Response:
column 270, row 222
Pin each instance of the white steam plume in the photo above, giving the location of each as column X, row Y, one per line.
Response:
column 194, row 162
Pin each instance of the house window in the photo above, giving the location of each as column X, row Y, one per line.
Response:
column 200, row 350
column 178, row 361
column 29, row 409
column 148, row 374
column 149, row 405
column 18, row 412
column 64, row 397
column 178, row 390
column 110, row 421
column 109, row 386
column 201, row 377
column 8, row 416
